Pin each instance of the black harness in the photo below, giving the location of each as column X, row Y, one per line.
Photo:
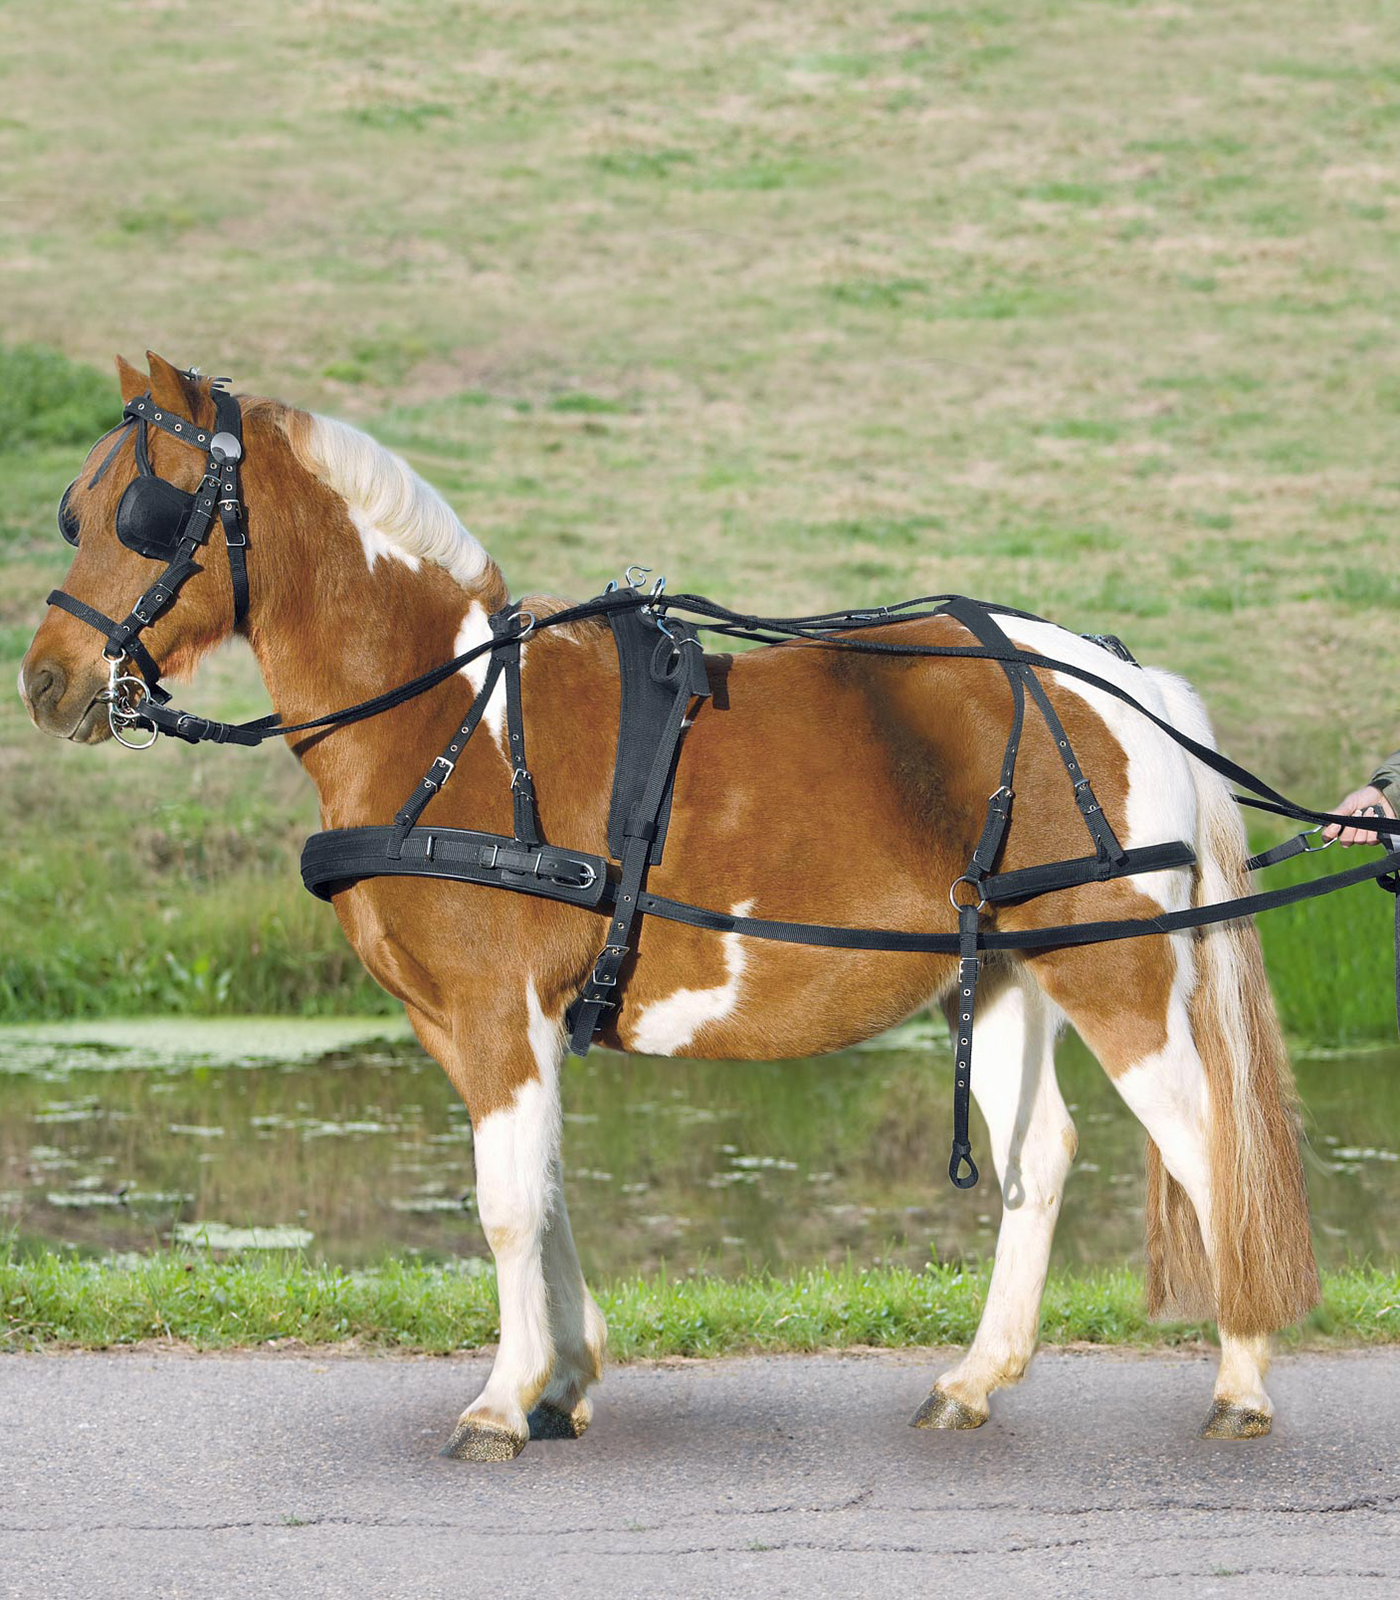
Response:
column 662, row 670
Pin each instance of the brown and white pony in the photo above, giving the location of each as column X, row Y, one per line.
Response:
column 817, row 786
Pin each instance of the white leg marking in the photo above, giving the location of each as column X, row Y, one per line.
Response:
column 1033, row 1144
column 1244, row 1364
column 668, row 1025
column 517, row 1155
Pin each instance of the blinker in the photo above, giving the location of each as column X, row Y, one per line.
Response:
column 67, row 517
column 151, row 515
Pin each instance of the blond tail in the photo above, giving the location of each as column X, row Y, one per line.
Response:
column 1262, row 1274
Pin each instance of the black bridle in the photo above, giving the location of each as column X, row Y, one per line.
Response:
column 162, row 522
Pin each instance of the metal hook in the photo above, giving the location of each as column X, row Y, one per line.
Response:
column 635, row 583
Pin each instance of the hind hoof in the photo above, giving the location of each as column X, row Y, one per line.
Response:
column 476, row 1440
column 943, row 1411
column 1235, row 1422
column 551, row 1422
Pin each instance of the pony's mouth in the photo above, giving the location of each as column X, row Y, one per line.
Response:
column 92, row 727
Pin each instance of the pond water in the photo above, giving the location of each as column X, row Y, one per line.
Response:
column 344, row 1139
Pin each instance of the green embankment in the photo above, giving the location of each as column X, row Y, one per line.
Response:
column 59, row 1301
column 1084, row 306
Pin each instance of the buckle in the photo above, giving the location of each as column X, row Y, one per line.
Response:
column 437, row 783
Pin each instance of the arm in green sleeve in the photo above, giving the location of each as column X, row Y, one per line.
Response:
column 1386, row 777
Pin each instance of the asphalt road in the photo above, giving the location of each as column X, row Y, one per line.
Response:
column 163, row 1475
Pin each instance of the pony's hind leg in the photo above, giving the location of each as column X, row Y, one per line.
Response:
column 1198, row 1059
column 1032, row 1145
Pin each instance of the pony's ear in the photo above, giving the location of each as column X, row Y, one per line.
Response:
column 171, row 389
column 133, row 381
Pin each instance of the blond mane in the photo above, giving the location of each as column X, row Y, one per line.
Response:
column 395, row 512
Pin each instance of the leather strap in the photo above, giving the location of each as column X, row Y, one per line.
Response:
column 679, row 662
column 334, row 860
column 522, row 785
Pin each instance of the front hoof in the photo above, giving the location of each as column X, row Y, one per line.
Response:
column 475, row 1440
column 941, row 1410
column 553, row 1422
column 1227, row 1421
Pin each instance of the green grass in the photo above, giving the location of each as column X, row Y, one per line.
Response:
column 52, row 1301
column 1070, row 304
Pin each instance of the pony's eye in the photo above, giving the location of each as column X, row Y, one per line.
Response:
column 67, row 517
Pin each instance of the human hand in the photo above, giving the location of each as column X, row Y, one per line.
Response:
column 1360, row 801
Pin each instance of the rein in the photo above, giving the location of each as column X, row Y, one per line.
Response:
column 661, row 661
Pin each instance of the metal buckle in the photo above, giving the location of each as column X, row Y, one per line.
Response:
column 495, row 850
column 519, row 776
column 439, row 761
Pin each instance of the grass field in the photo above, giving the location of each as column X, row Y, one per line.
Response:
column 51, row 1301
column 1083, row 304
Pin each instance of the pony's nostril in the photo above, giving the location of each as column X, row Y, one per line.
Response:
column 44, row 684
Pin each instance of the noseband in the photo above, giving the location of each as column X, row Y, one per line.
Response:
column 161, row 522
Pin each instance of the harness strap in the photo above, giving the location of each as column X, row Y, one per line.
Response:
column 680, row 661
column 522, row 785
column 965, row 1004
column 145, row 661
column 442, row 766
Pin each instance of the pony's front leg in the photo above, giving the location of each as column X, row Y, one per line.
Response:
column 509, row 1078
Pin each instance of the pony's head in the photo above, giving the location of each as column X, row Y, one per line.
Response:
column 118, row 535
column 331, row 518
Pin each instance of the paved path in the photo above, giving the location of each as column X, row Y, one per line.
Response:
column 158, row 1475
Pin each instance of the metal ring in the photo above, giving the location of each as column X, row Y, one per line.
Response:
column 528, row 630
column 1312, row 849
column 953, row 894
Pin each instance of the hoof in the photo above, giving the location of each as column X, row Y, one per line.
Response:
column 943, row 1411
column 477, row 1440
column 1235, row 1422
column 551, row 1422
